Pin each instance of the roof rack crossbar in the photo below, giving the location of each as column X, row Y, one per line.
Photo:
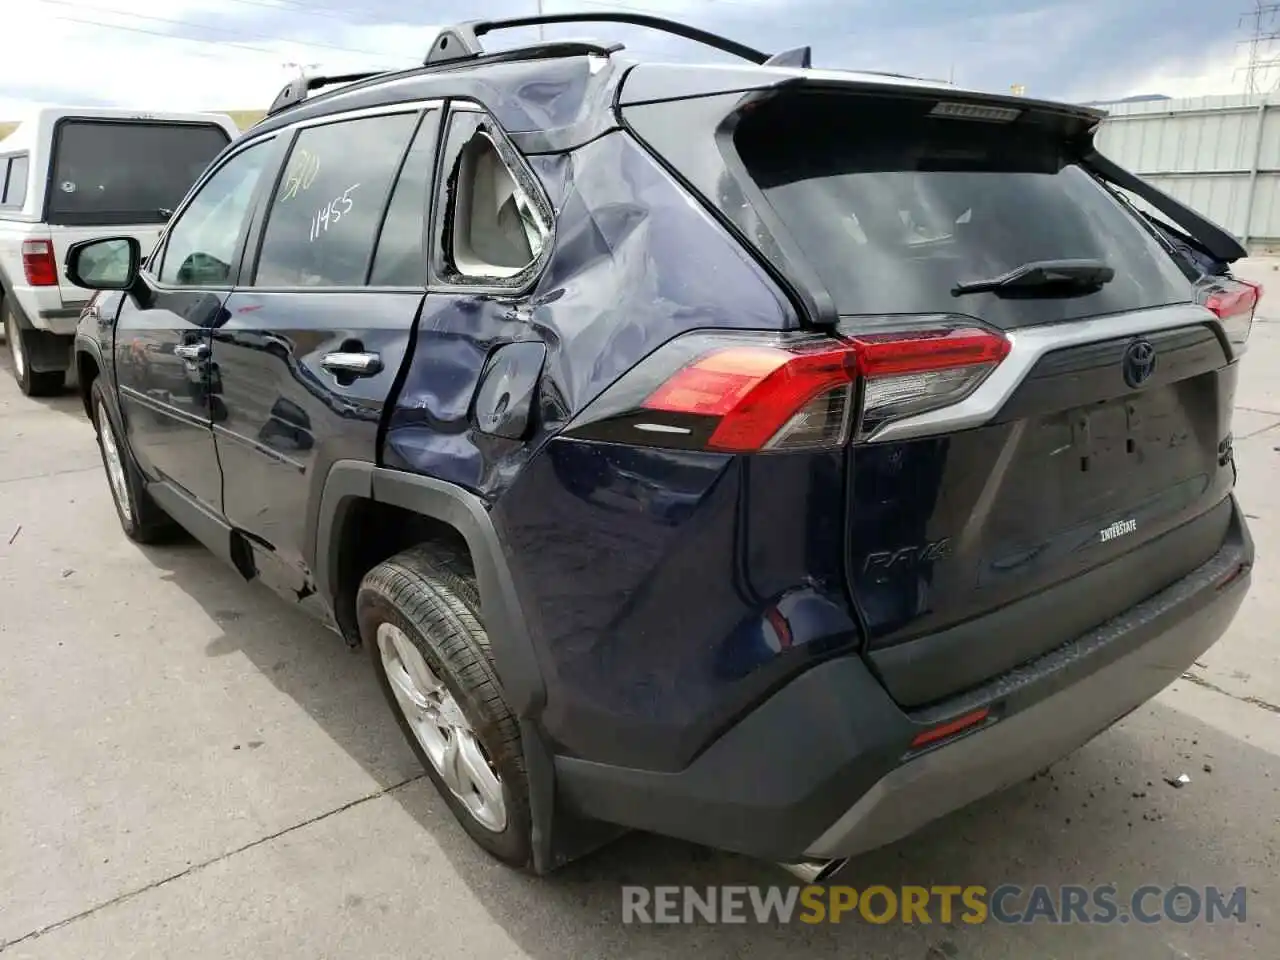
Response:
column 461, row 41
column 467, row 33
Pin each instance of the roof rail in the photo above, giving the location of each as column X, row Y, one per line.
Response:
column 295, row 91
column 461, row 41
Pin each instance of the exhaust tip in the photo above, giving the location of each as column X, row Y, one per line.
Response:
column 815, row 871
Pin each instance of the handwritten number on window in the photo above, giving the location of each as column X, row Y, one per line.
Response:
column 305, row 167
column 331, row 213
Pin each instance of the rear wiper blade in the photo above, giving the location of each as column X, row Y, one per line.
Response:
column 1043, row 277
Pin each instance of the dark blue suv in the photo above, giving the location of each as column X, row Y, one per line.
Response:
column 770, row 457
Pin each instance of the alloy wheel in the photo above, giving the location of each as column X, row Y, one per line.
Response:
column 438, row 724
column 114, row 464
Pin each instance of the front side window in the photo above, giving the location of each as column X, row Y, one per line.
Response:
column 324, row 215
column 110, row 172
column 202, row 243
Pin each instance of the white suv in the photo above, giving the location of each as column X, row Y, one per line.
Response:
column 68, row 175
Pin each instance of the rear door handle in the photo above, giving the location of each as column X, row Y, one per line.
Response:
column 191, row 351
column 352, row 364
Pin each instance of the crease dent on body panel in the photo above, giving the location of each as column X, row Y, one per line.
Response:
column 608, row 243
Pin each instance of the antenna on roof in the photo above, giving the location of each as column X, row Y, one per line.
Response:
column 302, row 68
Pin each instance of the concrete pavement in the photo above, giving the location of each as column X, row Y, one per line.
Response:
column 189, row 768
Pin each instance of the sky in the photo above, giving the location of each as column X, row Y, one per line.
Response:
column 237, row 54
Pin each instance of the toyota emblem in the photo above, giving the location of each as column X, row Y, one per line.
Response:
column 1139, row 362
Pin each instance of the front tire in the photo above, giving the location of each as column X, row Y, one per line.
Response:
column 419, row 615
column 31, row 382
column 141, row 518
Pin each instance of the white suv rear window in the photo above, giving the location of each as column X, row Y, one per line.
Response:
column 108, row 172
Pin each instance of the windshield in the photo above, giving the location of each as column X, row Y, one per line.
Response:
column 894, row 209
column 109, row 173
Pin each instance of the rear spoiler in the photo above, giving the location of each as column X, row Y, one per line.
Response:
column 1214, row 240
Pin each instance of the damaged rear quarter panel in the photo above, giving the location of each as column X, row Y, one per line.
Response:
column 635, row 261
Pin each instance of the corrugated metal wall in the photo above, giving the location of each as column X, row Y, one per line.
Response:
column 1207, row 152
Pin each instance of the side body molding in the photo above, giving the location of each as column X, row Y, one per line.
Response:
column 509, row 636
column 350, row 481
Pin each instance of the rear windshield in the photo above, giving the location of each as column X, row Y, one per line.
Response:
column 892, row 208
column 108, row 173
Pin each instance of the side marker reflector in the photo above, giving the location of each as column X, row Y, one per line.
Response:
column 949, row 729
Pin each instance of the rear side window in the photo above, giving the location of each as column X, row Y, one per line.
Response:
column 496, row 229
column 13, row 188
column 892, row 208
column 324, row 215
column 401, row 257
column 495, row 225
column 109, row 173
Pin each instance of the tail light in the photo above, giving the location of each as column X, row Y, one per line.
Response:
column 913, row 371
column 39, row 263
column 743, row 393
column 1234, row 302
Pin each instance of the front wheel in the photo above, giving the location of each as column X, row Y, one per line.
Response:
column 419, row 615
column 31, row 382
column 141, row 517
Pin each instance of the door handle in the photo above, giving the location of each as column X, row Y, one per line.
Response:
column 191, row 351
column 352, row 364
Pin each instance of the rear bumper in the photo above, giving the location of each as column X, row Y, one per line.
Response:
column 824, row 767
column 62, row 321
column 42, row 308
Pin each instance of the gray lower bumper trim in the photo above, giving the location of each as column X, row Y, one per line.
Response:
column 64, row 313
column 1012, row 750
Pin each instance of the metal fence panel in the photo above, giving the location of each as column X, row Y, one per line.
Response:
column 1220, row 155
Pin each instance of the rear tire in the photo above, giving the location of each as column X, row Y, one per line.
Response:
column 32, row 383
column 141, row 518
column 419, row 615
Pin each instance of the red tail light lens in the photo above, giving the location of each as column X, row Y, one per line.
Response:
column 920, row 351
column 39, row 264
column 744, row 393
column 758, row 392
column 1234, row 302
column 913, row 371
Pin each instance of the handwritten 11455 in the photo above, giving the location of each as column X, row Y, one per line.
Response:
column 331, row 213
